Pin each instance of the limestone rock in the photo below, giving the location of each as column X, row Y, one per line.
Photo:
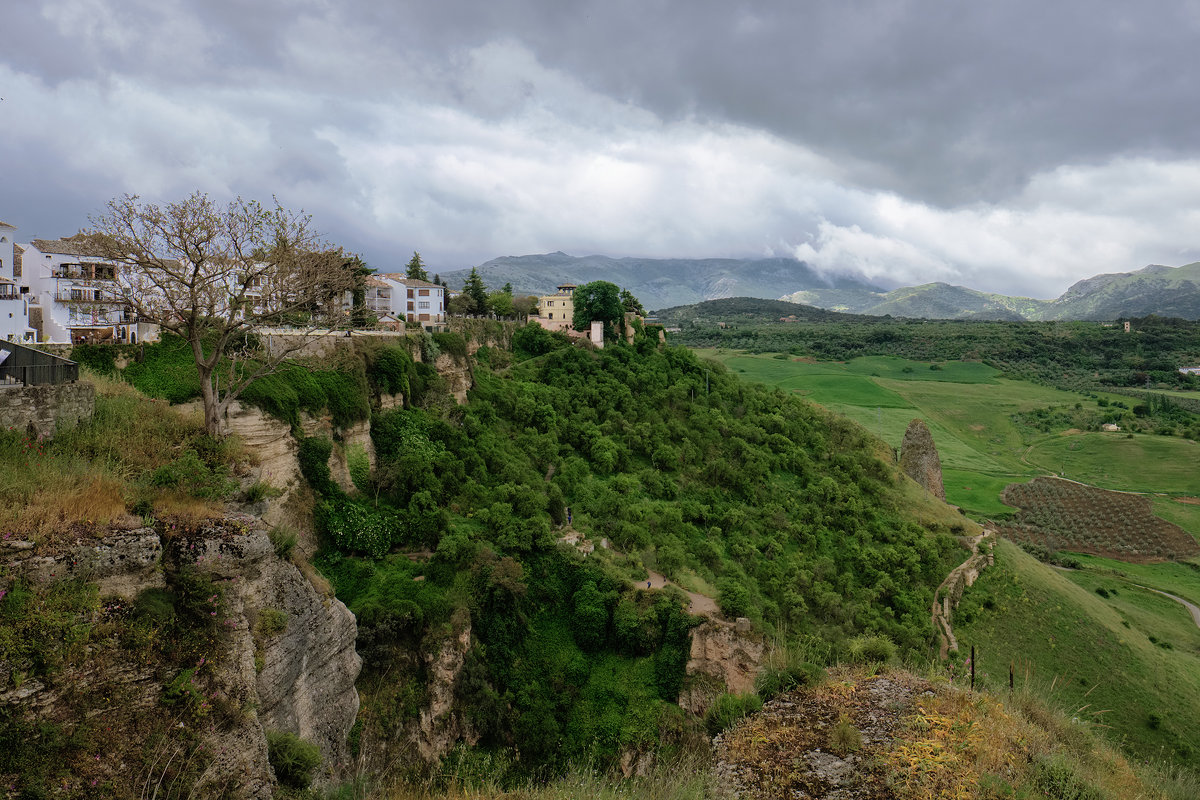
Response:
column 919, row 458
column 724, row 658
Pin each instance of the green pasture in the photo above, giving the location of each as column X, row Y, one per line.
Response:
column 969, row 410
column 1095, row 652
column 1168, row 576
column 1185, row 515
column 978, row 491
column 1140, row 463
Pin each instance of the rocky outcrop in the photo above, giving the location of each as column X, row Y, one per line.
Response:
column 725, row 657
column 457, row 374
column 440, row 727
column 298, row 676
column 919, row 458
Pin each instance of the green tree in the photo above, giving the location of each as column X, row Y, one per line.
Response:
column 500, row 304
column 631, row 303
column 598, row 300
column 415, row 268
column 475, row 293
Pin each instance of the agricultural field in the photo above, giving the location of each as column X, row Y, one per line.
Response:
column 1063, row 515
column 1126, row 462
column 1127, row 663
column 979, row 422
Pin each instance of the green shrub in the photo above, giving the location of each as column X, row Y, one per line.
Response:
column 293, row 759
column 774, row 681
column 283, row 538
column 728, row 709
column 733, row 597
column 877, row 649
column 271, row 621
column 359, row 466
column 314, row 465
column 96, row 357
column 844, row 738
column 358, row 528
column 452, row 343
column 191, row 474
column 1056, row 778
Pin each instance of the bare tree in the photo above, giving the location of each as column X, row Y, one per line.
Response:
column 213, row 275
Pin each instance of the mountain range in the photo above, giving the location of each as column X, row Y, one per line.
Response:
column 662, row 283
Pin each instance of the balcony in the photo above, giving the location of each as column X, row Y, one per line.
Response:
column 84, row 272
column 69, row 296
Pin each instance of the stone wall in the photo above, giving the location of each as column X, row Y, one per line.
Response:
column 43, row 410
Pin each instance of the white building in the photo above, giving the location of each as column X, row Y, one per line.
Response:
column 75, row 297
column 14, row 303
column 415, row 300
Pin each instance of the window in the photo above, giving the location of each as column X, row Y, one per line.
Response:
column 423, row 292
column 423, row 304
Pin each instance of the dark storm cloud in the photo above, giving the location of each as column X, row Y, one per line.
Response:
column 1019, row 145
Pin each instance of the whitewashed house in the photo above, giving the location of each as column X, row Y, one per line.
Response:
column 14, row 303
column 415, row 300
column 77, row 297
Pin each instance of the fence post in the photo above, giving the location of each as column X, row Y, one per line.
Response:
column 972, row 668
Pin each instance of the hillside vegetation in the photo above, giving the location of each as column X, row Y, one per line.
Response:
column 786, row 515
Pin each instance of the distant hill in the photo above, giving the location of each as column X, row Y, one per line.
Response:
column 661, row 282
column 749, row 310
column 1164, row 291
column 930, row 301
column 667, row 283
column 1158, row 290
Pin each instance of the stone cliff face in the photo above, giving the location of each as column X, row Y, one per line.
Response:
column 725, row 657
column 919, row 458
column 298, row 677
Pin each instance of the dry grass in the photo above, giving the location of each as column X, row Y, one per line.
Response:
column 686, row 778
column 84, row 479
column 961, row 745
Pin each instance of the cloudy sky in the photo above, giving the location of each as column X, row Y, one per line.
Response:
column 1009, row 146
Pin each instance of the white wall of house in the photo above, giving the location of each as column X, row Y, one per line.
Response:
column 76, row 302
column 416, row 301
column 14, row 307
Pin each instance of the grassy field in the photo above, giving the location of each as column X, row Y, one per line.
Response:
column 1096, row 652
column 1117, row 461
column 969, row 409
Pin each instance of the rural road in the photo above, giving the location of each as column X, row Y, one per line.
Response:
column 1192, row 608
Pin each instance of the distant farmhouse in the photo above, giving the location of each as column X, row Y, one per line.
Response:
column 1190, row 370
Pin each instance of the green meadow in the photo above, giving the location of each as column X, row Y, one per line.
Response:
column 1128, row 662
column 969, row 409
column 1140, row 463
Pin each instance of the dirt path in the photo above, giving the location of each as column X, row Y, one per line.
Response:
column 950, row 591
column 700, row 604
column 1192, row 608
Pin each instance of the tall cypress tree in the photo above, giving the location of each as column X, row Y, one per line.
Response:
column 416, row 269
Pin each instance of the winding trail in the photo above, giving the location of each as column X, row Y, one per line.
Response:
column 700, row 604
column 1192, row 608
column 950, row 591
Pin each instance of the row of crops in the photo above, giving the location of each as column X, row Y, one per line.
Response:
column 1062, row 515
